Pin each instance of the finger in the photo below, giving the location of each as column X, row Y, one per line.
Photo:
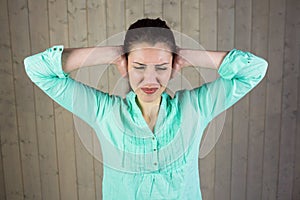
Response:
column 174, row 73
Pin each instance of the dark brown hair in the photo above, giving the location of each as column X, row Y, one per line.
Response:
column 151, row 31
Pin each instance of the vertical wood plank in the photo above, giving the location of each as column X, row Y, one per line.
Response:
column 190, row 27
column 273, row 99
column 83, row 133
column 296, row 177
column 265, row 167
column 134, row 11
column 39, row 38
column 96, row 20
column 241, row 109
column 260, row 14
column 208, row 24
column 18, row 13
column 153, row 8
column 289, row 102
column 208, row 40
column 99, row 28
column 223, row 148
column 172, row 15
column 2, row 183
column 115, row 25
column 58, row 24
column 296, row 181
column 9, row 143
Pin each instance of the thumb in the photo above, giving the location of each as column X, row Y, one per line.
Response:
column 175, row 71
column 122, row 67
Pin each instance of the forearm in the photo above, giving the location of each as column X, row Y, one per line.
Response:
column 74, row 58
column 206, row 59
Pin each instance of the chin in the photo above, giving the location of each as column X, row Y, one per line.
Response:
column 149, row 97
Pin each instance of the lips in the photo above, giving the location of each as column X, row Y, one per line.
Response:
column 149, row 90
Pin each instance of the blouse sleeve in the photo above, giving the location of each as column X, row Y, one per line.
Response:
column 239, row 73
column 45, row 70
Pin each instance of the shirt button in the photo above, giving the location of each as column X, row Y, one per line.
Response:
column 54, row 48
column 153, row 138
column 60, row 49
column 155, row 163
column 154, row 149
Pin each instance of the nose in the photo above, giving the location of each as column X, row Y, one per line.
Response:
column 150, row 75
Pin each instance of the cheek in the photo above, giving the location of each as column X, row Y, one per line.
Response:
column 164, row 78
column 134, row 78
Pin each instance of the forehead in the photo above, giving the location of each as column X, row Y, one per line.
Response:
column 147, row 54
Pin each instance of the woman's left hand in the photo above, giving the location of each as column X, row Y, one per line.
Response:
column 179, row 61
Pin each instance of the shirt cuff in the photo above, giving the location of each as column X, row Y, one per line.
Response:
column 55, row 54
column 233, row 62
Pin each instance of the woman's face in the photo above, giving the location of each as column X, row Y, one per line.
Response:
column 149, row 70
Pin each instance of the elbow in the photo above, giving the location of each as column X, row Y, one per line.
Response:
column 261, row 68
column 264, row 67
column 30, row 67
column 26, row 63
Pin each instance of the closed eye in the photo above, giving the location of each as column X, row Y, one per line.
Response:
column 140, row 67
column 161, row 68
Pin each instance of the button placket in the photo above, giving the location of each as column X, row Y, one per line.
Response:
column 155, row 152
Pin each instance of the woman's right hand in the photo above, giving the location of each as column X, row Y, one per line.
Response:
column 121, row 61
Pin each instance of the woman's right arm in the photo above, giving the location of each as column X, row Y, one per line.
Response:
column 74, row 58
column 46, row 70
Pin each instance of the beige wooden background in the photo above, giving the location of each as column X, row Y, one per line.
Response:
column 258, row 153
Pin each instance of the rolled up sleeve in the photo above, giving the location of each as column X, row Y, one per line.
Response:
column 239, row 73
column 45, row 70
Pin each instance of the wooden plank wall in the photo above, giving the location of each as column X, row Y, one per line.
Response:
column 257, row 156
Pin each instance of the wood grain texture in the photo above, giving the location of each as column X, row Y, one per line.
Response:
column 259, row 46
column 59, row 33
column 242, row 40
column 2, row 181
column 39, row 38
column 190, row 15
column 96, row 27
column 225, row 41
column 153, row 8
column 273, row 99
column 172, row 15
column 296, row 176
column 289, row 102
column 208, row 41
column 9, row 134
column 133, row 11
column 26, row 116
column 115, row 26
column 43, row 155
column 77, row 13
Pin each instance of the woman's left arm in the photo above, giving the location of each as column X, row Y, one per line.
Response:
column 239, row 73
column 193, row 57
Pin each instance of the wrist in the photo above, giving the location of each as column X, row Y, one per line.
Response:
column 189, row 57
column 106, row 54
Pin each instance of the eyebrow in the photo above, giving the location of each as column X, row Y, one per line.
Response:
column 155, row 65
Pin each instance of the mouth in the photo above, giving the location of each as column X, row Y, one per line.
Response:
column 149, row 90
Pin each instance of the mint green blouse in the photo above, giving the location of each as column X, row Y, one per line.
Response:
column 139, row 163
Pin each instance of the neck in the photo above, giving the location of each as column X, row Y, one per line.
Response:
column 149, row 108
column 150, row 111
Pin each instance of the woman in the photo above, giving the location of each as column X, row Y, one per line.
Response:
column 149, row 140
